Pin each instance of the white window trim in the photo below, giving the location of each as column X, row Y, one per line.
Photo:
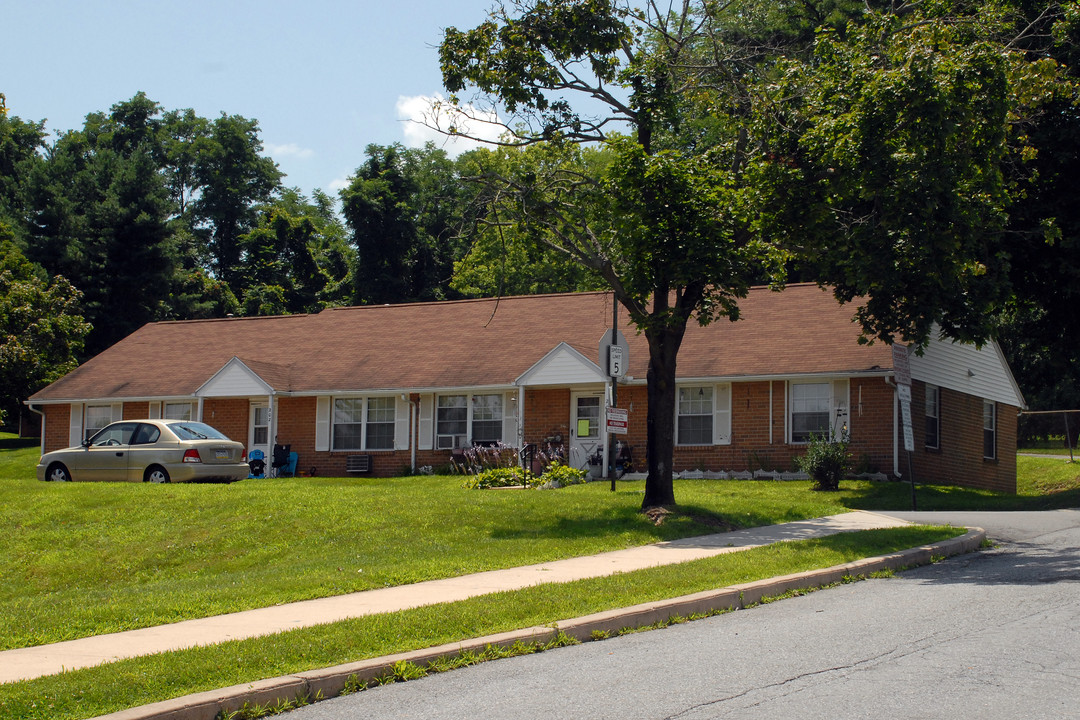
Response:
column 365, row 399
column 711, row 413
column 457, row 441
column 937, row 416
column 992, row 429
column 839, row 401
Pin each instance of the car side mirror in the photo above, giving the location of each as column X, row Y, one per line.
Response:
column 86, row 443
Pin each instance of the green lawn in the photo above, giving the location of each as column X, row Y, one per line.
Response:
column 84, row 559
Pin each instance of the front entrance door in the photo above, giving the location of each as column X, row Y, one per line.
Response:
column 259, row 430
column 585, row 435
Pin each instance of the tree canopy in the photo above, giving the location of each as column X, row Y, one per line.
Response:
column 870, row 152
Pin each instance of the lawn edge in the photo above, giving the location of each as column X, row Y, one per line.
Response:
column 330, row 682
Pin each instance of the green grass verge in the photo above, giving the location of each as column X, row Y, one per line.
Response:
column 86, row 559
column 129, row 683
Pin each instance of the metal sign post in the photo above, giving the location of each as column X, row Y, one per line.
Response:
column 615, row 354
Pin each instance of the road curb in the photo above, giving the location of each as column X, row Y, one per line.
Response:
column 329, row 682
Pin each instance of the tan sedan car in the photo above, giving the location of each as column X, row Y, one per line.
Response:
column 149, row 451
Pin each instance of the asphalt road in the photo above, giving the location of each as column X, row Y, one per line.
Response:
column 991, row 635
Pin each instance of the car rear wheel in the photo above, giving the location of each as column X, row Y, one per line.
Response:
column 156, row 474
column 57, row 472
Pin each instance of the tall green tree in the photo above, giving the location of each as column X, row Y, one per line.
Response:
column 292, row 258
column 405, row 209
column 41, row 328
column 231, row 179
column 99, row 215
column 728, row 135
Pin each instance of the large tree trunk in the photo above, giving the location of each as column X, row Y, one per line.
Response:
column 664, row 345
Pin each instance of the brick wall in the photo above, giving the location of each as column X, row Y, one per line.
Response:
column 57, row 426
column 959, row 460
column 136, row 411
column 228, row 415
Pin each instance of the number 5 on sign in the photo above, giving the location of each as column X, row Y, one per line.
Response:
column 615, row 361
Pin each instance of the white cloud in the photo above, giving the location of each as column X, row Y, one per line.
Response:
column 338, row 184
column 420, row 115
column 289, row 150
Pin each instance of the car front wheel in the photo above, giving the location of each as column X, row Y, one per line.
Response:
column 156, row 474
column 57, row 472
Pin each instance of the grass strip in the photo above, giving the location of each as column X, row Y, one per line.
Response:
column 129, row 683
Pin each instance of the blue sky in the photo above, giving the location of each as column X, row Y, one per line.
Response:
column 324, row 78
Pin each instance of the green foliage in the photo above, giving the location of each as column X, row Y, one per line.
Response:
column 41, row 328
column 499, row 477
column 825, row 461
column 558, row 475
column 404, row 208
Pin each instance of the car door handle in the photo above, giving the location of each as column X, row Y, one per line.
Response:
column 119, row 454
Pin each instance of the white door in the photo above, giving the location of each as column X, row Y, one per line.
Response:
column 585, row 435
column 259, row 431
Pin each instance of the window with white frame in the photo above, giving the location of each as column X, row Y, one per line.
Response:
column 989, row 430
column 933, row 417
column 451, row 421
column 363, row 423
column 177, row 411
column 461, row 420
column 695, row 416
column 379, row 433
column 811, row 407
column 97, row 417
column 487, row 418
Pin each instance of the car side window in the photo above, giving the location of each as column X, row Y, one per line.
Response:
column 145, row 435
column 115, row 434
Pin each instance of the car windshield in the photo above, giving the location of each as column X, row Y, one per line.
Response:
column 196, row 431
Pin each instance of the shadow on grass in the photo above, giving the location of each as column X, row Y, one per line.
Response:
column 897, row 496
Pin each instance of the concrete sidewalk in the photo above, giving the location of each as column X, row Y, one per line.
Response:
column 32, row 662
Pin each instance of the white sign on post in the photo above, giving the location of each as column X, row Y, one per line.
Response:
column 909, row 436
column 606, row 347
column 617, row 421
column 616, row 367
column 901, row 364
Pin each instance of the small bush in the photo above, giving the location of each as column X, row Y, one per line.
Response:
column 825, row 462
column 499, row 477
column 558, row 475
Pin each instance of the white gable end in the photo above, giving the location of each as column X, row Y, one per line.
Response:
column 235, row 379
column 982, row 372
column 563, row 365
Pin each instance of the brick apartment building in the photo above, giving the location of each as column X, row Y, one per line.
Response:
column 406, row 386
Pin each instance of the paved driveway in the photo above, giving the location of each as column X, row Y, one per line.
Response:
column 991, row 635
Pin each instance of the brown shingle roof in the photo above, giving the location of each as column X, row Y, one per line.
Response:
column 467, row 343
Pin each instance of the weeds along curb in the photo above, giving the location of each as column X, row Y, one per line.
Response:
column 304, row 687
